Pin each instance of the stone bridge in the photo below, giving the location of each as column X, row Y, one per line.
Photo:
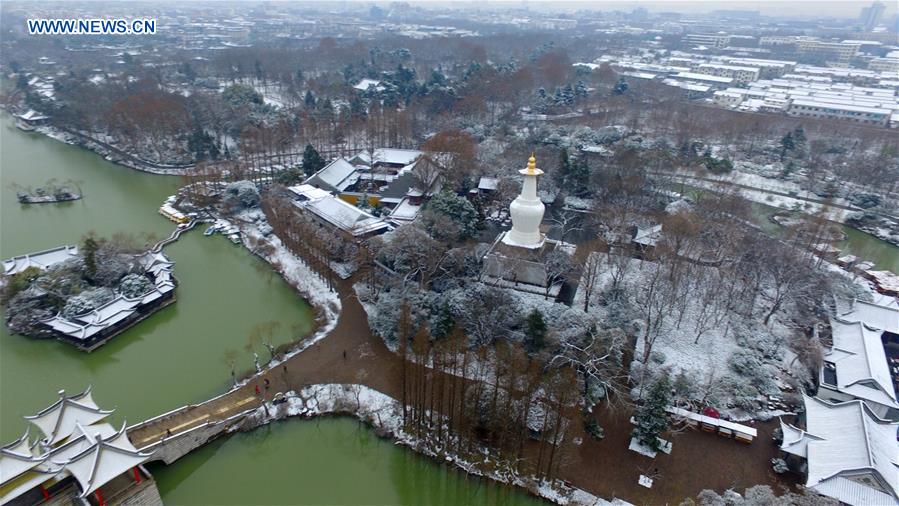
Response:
column 172, row 435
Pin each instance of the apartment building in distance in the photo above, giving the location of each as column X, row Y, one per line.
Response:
column 837, row 52
column 740, row 75
column 717, row 40
column 884, row 64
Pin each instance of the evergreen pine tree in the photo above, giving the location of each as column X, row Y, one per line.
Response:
column 535, row 331
column 312, row 161
column 89, row 251
column 651, row 417
column 578, row 176
column 309, row 100
column 568, row 95
column 444, row 322
column 580, row 90
column 541, row 101
column 562, row 173
column 787, row 142
column 558, row 99
column 357, row 107
column 799, row 136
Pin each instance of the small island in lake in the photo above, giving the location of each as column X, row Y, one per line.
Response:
column 85, row 295
column 47, row 194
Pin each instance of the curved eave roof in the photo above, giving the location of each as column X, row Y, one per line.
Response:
column 103, row 461
column 60, row 420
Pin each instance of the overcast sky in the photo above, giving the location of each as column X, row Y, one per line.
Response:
column 789, row 8
column 810, row 8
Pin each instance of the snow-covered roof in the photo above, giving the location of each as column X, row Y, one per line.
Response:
column 41, row 259
column 727, row 67
column 851, row 453
column 16, row 458
column 78, row 444
column 861, row 365
column 704, row 77
column 364, row 84
column 308, row 192
column 334, row 176
column 648, row 236
column 32, row 115
column 840, row 107
column 392, row 156
column 89, row 324
column 882, row 314
column 405, row 211
column 103, row 460
column 343, row 215
column 59, row 420
column 488, row 183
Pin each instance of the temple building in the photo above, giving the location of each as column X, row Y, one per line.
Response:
column 42, row 260
column 863, row 360
column 844, row 451
column 523, row 258
column 90, row 330
column 79, row 458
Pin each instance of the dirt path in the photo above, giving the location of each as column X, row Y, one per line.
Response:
column 352, row 354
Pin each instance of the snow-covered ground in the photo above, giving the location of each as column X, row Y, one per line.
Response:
column 760, row 192
column 706, row 361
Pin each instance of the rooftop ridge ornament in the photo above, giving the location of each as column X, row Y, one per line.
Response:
column 532, row 164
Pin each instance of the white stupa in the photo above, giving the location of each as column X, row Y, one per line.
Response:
column 527, row 211
column 518, row 257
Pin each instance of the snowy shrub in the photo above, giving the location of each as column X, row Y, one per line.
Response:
column 387, row 309
column 64, row 279
column 241, row 195
column 449, row 217
column 762, row 495
column 87, row 300
column 748, row 365
column 779, row 465
column 26, row 310
column 489, row 312
column 113, row 262
column 740, row 392
column 595, row 430
column 610, row 134
column 595, row 391
column 684, row 385
column 71, row 264
column 19, row 282
column 134, row 285
column 778, row 435
column 657, row 357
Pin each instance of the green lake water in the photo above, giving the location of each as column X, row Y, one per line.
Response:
column 176, row 356
column 863, row 245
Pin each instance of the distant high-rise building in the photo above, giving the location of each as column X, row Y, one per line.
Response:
column 639, row 14
column 871, row 15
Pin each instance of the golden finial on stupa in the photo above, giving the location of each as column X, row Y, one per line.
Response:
column 532, row 163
